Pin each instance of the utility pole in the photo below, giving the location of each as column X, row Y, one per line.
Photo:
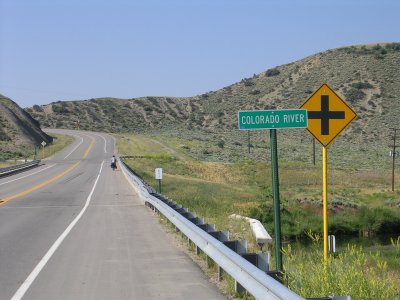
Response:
column 393, row 153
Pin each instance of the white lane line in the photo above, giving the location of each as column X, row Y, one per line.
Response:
column 75, row 147
column 29, row 280
column 115, row 145
column 28, row 175
column 105, row 142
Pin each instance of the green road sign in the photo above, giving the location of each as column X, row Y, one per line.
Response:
column 272, row 119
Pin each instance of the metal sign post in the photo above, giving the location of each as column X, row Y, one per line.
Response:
column 274, row 119
column 159, row 175
column 325, row 199
column 277, row 209
column 328, row 116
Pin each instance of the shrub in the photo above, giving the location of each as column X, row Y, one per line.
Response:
column 248, row 82
column 228, row 88
column 3, row 135
column 37, row 108
column 352, row 95
column 60, row 109
column 362, row 85
column 255, row 92
column 272, row 72
column 393, row 46
column 154, row 101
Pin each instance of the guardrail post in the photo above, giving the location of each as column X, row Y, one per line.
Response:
column 196, row 220
column 277, row 275
column 207, row 227
column 220, row 235
column 220, row 273
column 260, row 260
column 240, row 247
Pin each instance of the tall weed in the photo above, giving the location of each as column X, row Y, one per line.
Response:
column 351, row 272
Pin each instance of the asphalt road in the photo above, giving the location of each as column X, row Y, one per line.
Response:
column 74, row 229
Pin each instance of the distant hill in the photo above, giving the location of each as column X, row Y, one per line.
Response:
column 19, row 132
column 366, row 76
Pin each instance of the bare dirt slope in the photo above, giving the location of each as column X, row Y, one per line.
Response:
column 19, row 132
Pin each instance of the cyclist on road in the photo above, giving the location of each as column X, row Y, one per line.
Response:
column 113, row 162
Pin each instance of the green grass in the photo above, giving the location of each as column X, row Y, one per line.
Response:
column 59, row 142
column 358, row 200
column 6, row 164
column 216, row 190
column 354, row 271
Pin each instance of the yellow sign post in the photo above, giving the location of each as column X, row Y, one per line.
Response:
column 328, row 116
column 325, row 199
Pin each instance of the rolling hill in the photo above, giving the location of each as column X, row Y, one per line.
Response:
column 366, row 76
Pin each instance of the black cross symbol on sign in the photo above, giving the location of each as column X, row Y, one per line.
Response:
column 325, row 115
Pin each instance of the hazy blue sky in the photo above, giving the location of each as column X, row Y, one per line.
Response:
column 54, row 50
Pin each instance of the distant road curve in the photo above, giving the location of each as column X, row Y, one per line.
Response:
column 74, row 229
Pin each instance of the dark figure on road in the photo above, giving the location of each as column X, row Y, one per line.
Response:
column 113, row 162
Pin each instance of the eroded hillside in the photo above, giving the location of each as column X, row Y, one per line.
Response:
column 19, row 132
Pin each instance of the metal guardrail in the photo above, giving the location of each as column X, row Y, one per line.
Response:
column 257, row 282
column 18, row 168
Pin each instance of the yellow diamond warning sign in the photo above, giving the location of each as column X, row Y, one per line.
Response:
column 328, row 114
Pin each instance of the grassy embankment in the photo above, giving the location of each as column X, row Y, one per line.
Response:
column 359, row 201
column 59, row 143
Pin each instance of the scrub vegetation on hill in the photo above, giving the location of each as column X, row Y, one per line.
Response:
column 366, row 76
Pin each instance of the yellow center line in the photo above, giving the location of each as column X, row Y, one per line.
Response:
column 28, row 191
column 43, row 184
column 89, row 149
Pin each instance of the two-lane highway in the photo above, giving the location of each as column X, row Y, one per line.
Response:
column 74, row 229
